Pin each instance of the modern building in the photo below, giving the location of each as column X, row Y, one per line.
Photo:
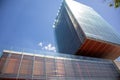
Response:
column 80, row 30
column 54, row 66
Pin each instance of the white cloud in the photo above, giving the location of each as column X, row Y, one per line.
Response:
column 40, row 44
column 47, row 47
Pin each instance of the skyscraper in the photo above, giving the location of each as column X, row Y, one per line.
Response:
column 81, row 30
column 75, row 33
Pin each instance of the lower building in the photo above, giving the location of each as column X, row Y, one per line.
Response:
column 54, row 66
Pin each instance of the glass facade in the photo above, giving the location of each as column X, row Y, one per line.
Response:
column 22, row 66
column 82, row 31
column 92, row 24
column 66, row 36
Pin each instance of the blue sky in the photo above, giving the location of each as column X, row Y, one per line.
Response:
column 27, row 24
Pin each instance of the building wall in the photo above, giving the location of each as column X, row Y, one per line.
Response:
column 67, row 38
column 92, row 24
column 80, row 30
column 55, row 67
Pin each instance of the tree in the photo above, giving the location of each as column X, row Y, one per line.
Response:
column 115, row 3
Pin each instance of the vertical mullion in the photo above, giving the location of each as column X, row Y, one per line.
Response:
column 33, row 66
column 20, row 65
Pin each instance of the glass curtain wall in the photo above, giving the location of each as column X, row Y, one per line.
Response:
column 57, row 67
column 66, row 36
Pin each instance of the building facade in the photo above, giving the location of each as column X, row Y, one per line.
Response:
column 55, row 66
column 81, row 30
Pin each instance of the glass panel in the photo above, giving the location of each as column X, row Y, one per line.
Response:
column 3, row 61
column 60, row 69
column 26, row 67
column 69, row 68
column 39, row 67
column 50, row 67
column 12, row 65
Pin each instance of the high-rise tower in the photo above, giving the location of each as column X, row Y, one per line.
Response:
column 76, row 32
column 81, row 30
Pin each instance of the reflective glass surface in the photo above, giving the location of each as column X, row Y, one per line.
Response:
column 65, row 67
column 66, row 36
column 26, row 67
column 92, row 24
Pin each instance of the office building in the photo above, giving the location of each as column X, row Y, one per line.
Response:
column 80, row 30
column 55, row 66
